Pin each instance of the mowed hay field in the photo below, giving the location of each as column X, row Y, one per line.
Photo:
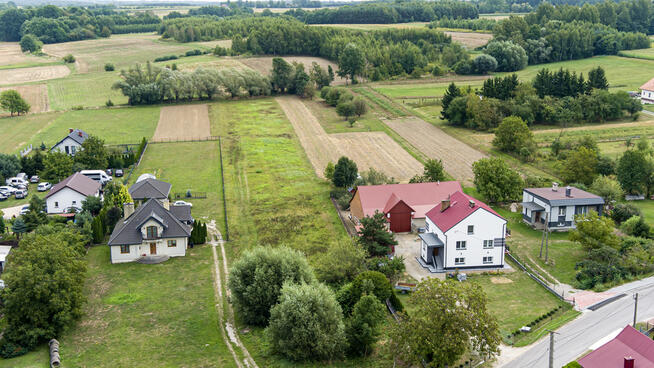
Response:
column 87, row 90
column 183, row 123
column 33, row 74
column 437, row 89
column 35, row 94
column 369, row 150
column 19, row 130
column 121, row 50
column 12, row 57
column 457, row 157
column 264, row 64
column 471, row 40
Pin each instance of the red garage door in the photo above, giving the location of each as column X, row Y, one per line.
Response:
column 400, row 222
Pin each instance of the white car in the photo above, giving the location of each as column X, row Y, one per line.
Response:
column 7, row 189
column 44, row 186
column 24, row 210
column 34, row 179
column 16, row 181
column 182, row 203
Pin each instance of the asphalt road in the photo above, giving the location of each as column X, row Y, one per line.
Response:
column 575, row 338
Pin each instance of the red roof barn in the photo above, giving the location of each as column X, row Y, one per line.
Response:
column 630, row 349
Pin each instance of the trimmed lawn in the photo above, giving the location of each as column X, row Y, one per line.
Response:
column 115, row 126
column 87, row 90
column 19, row 130
column 143, row 316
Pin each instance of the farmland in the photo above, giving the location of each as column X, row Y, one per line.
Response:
column 33, row 74
column 184, row 122
column 87, row 90
column 12, row 57
column 35, row 94
column 18, row 131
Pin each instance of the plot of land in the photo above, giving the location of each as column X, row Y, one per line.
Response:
column 264, row 64
column 38, row 73
column 374, row 27
column 10, row 54
column 17, row 131
column 369, row 150
column 418, row 90
column 183, row 123
column 470, row 39
column 87, row 90
column 35, row 94
column 457, row 156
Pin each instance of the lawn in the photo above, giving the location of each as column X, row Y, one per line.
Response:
column 647, row 208
column 622, row 73
column 332, row 123
column 647, row 54
column 409, row 90
column 19, row 130
column 193, row 166
column 143, row 316
column 88, row 90
column 115, row 126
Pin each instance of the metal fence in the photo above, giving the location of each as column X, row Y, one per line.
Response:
column 129, row 175
column 534, row 275
column 189, row 139
column 191, row 195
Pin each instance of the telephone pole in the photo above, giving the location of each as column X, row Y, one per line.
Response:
column 635, row 308
column 551, row 348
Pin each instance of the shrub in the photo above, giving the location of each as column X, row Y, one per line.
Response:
column 69, row 58
column 108, row 67
column 10, row 350
column 193, row 52
column 78, row 107
column 166, row 58
column 109, row 103
column 623, row 212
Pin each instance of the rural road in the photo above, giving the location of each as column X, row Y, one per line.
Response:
column 575, row 338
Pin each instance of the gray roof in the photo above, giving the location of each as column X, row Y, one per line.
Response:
column 431, row 240
column 558, row 197
column 150, row 188
column 183, row 213
column 77, row 182
column 77, row 135
column 128, row 230
column 532, row 206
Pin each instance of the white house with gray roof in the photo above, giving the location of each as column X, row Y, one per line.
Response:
column 71, row 143
column 152, row 229
column 555, row 208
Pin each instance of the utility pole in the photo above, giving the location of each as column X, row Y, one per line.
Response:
column 551, row 347
column 635, row 308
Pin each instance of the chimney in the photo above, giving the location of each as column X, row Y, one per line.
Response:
column 70, row 130
column 628, row 362
column 568, row 191
column 79, row 133
column 555, row 187
column 128, row 210
column 166, row 204
column 445, row 204
column 471, row 203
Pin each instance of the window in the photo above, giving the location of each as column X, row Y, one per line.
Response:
column 488, row 260
column 471, row 229
column 461, row 245
column 459, row 260
column 172, row 243
column 72, row 149
column 152, row 232
column 56, row 204
column 561, row 211
column 74, row 202
column 488, row 243
column 124, row 249
column 426, row 226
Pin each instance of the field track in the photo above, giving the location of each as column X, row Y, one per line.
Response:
column 183, row 123
column 457, row 156
column 369, row 150
column 39, row 73
column 264, row 64
column 35, row 94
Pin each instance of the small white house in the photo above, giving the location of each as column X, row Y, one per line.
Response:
column 647, row 92
column 71, row 143
column 70, row 193
column 462, row 233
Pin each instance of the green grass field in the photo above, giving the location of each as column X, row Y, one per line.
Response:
column 397, row 91
column 647, row 208
column 88, row 90
column 143, row 316
column 19, row 130
column 332, row 123
column 647, row 54
column 375, row 27
column 115, row 126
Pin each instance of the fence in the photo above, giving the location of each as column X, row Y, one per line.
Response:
column 222, row 179
column 129, row 175
column 349, row 229
column 189, row 139
column 534, row 276
column 26, row 151
column 191, row 194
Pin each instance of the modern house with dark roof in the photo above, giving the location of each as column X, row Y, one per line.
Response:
column 555, row 208
column 149, row 188
column 151, row 229
column 404, row 205
column 71, row 143
column 69, row 194
column 462, row 233
column 629, row 349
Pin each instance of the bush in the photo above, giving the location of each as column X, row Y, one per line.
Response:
column 193, row 52
column 109, row 103
column 69, row 59
column 30, row 43
column 78, row 107
column 379, row 287
column 509, row 56
column 624, row 211
column 108, row 67
column 463, row 67
column 10, row 350
column 166, row 58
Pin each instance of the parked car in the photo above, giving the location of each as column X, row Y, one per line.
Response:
column 21, row 186
column 24, row 210
column 182, row 203
column 45, row 186
column 34, row 179
column 119, row 173
column 3, row 196
column 15, row 181
column 22, row 176
column 109, row 172
column 98, row 175
column 21, row 194
column 7, row 190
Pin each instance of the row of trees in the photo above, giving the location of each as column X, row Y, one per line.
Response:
column 152, row 84
column 384, row 53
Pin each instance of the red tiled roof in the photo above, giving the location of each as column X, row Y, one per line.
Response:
column 78, row 183
column 458, row 210
column 649, row 86
column 628, row 343
column 421, row 197
column 392, row 202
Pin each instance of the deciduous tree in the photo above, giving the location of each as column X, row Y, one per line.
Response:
column 512, row 135
column 93, row 155
column 351, row 62
column 496, row 181
column 593, row 231
column 362, row 328
column 345, row 173
column 58, row 166
column 607, row 188
column 12, row 101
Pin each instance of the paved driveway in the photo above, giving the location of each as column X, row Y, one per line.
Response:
column 409, row 247
column 10, row 212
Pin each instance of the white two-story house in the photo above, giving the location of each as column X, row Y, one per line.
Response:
column 462, row 233
column 555, row 208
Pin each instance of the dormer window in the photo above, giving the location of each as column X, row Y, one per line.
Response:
column 151, row 232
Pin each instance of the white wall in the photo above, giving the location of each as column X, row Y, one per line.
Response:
column 144, row 228
column 487, row 226
column 137, row 250
column 526, row 197
column 68, row 142
column 64, row 200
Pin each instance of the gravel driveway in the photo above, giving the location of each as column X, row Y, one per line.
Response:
column 408, row 245
column 10, row 212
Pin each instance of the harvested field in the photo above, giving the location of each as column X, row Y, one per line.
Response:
column 11, row 54
column 264, row 64
column 212, row 44
column 216, row 63
column 39, row 73
column 183, row 123
column 373, row 149
column 471, row 40
column 457, row 156
column 35, row 94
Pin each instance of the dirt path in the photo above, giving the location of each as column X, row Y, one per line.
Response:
column 368, row 149
column 229, row 333
column 183, row 123
column 457, row 156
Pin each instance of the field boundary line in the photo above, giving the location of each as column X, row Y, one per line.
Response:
column 222, row 179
